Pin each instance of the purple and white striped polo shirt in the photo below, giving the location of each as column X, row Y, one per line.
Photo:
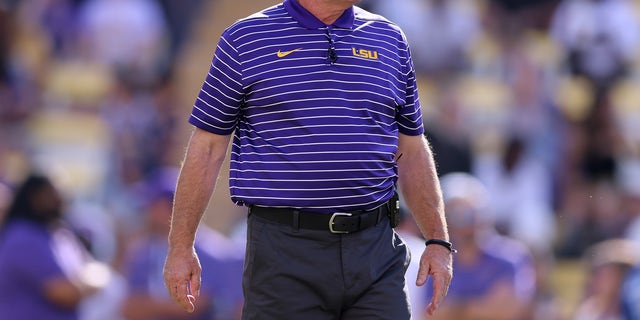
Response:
column 316, row 109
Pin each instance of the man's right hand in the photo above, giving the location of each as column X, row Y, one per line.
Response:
column 182, row 276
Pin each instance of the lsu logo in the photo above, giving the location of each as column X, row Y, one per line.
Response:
column 367, row 54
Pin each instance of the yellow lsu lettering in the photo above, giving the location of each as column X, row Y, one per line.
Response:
column 367, row 54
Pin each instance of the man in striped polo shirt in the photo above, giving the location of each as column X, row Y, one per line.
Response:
column 321, row 99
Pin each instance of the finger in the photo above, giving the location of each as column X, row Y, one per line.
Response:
column 423, row 275
column 431, row 308
column 182, row 296
column 194, row 284
column 439, row 291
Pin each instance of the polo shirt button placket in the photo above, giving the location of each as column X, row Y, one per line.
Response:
column 332, row 54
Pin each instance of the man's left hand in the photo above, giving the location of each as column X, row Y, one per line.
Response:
column 436, row 261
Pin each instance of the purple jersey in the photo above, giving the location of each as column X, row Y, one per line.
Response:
column 27, row 262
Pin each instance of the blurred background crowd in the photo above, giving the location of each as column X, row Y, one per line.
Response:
column 532, row 108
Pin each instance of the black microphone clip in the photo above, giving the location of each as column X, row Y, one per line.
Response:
column 333, row 55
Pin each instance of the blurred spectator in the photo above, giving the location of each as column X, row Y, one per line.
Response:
column 439, row 31
column 126, row 34
column 592, row 213
column 493, row 274
column 448, row 134
column 14, row 74
column 520, row 193
column 528, row 68
column 601, row 37
column 221, row 295
column 58, row 18
column 608, row 263
column 147, row 297
column 180, row 16
column 142, row 124
column 45, row 272
column 137, row 129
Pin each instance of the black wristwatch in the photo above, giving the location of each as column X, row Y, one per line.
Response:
column 443, row 243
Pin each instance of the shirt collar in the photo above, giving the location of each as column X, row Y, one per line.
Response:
column 309, row 21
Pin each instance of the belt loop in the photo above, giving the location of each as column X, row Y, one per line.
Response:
column 296, row 220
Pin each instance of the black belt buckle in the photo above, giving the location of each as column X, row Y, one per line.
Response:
column 332, row 222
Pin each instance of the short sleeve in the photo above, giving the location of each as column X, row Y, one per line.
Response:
column 217, row 106
column 409, row 116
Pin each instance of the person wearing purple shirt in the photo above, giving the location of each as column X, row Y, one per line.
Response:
column 42, row 264
column 493, row 275
column 321, row 100
column 147, row 298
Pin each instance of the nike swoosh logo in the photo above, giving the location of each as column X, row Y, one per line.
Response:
column 286, row 53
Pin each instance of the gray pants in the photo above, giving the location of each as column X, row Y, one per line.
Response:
column 311, row 274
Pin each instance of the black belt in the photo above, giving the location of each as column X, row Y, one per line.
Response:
column 337, row 222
